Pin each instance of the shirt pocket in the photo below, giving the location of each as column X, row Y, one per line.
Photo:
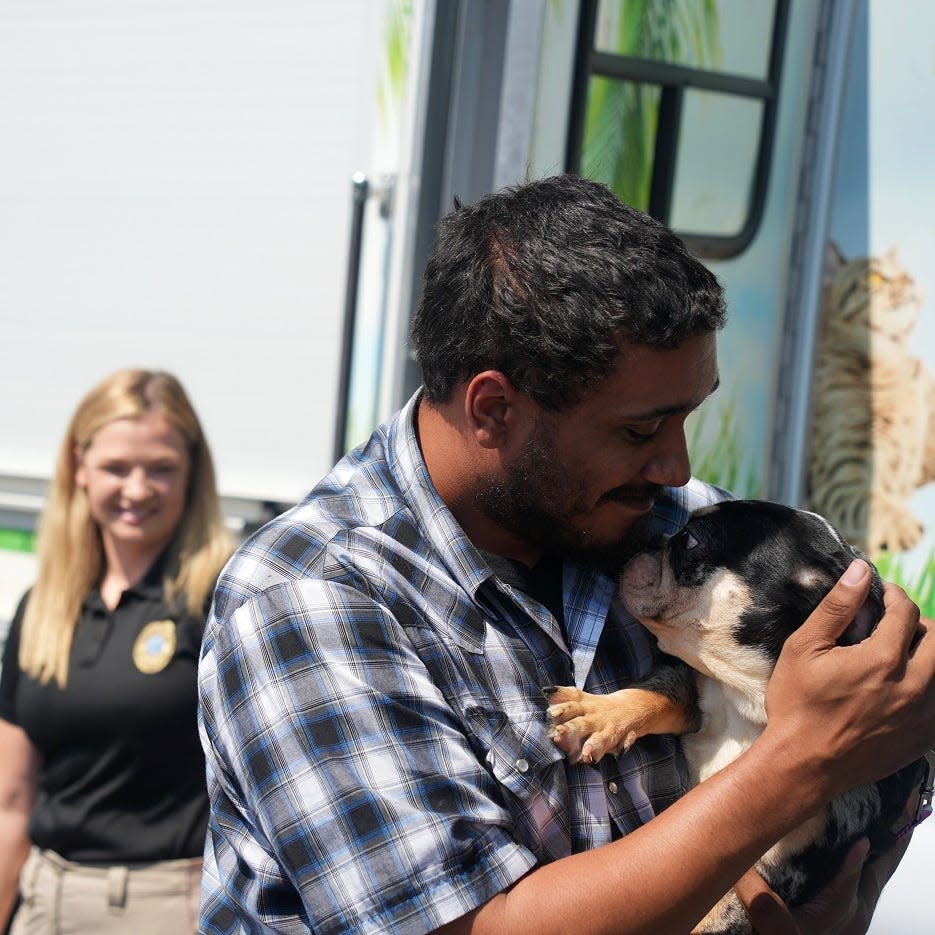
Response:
column 519, row 752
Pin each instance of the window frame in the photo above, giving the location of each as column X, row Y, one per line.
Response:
column 673, row 81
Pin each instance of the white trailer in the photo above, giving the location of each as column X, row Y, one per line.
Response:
column 176, row 190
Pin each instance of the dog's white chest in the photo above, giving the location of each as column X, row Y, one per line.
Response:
column 726, row 731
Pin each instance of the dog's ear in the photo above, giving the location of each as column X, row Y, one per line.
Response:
column 869, row 615
column 818, row 581
column 863, row 624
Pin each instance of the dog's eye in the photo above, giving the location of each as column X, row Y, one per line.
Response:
column 686, row 540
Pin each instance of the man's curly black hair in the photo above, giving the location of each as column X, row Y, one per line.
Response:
column 543, row 282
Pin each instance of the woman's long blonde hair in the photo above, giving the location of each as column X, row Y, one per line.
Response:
column 70, row 551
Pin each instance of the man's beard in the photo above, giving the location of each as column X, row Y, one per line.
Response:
column 537, row 499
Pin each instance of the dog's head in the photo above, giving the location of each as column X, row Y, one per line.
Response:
column 726, row 591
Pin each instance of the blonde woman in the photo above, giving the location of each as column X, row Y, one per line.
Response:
column 102, row 798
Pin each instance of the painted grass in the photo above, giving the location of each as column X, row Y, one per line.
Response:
column 718, row 452
column 920, row 585
column 17, row 540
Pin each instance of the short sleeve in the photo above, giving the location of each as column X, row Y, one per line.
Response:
column 9, row 674
column 339, row 775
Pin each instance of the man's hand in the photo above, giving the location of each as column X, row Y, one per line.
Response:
column 856, row 713
column 844, row 907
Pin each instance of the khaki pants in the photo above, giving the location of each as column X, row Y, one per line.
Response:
column 64, row 898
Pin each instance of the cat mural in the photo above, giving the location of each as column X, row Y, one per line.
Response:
column 872, row 431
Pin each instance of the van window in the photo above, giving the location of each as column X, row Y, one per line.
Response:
column 674, row 107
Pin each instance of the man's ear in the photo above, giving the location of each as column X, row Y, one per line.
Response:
column 489, row 405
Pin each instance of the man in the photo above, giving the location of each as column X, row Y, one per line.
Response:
column 378, row 749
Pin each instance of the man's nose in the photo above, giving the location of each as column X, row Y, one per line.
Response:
column 669, row 464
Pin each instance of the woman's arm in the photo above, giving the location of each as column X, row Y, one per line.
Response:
column 19, row 763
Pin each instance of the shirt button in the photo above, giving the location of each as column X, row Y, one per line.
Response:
column 612, row 787
column 522, row 765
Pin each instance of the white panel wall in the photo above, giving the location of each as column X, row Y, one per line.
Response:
column 175, row 192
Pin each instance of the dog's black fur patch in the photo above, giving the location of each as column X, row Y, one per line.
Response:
column 790, row 558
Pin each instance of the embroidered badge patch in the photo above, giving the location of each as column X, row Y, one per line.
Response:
column 154, row 647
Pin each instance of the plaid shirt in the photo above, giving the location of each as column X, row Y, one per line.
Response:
column 373, row 717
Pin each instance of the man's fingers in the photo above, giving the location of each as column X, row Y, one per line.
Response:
column 768, row 914
column 837, row 910
column 840, row 605
column 900, row 623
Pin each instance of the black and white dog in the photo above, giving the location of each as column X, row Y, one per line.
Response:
column 722, row 595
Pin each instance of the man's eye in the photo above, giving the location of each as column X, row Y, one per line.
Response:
column 642, row 435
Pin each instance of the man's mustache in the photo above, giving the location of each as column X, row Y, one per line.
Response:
column 631, row 492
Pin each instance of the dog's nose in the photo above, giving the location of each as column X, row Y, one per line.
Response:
column 641, row 572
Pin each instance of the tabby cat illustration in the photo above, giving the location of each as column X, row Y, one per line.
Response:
column 873, row 404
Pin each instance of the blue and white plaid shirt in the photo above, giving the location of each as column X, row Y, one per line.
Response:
column 373, row 717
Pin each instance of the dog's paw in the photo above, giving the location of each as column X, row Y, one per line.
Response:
column 564, row 709
column 587, row 727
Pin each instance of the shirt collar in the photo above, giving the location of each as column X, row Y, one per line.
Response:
column 149, row 587
column 460, row 556
column 588, row 591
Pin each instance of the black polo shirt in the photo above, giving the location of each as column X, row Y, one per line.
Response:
column 122, row 775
